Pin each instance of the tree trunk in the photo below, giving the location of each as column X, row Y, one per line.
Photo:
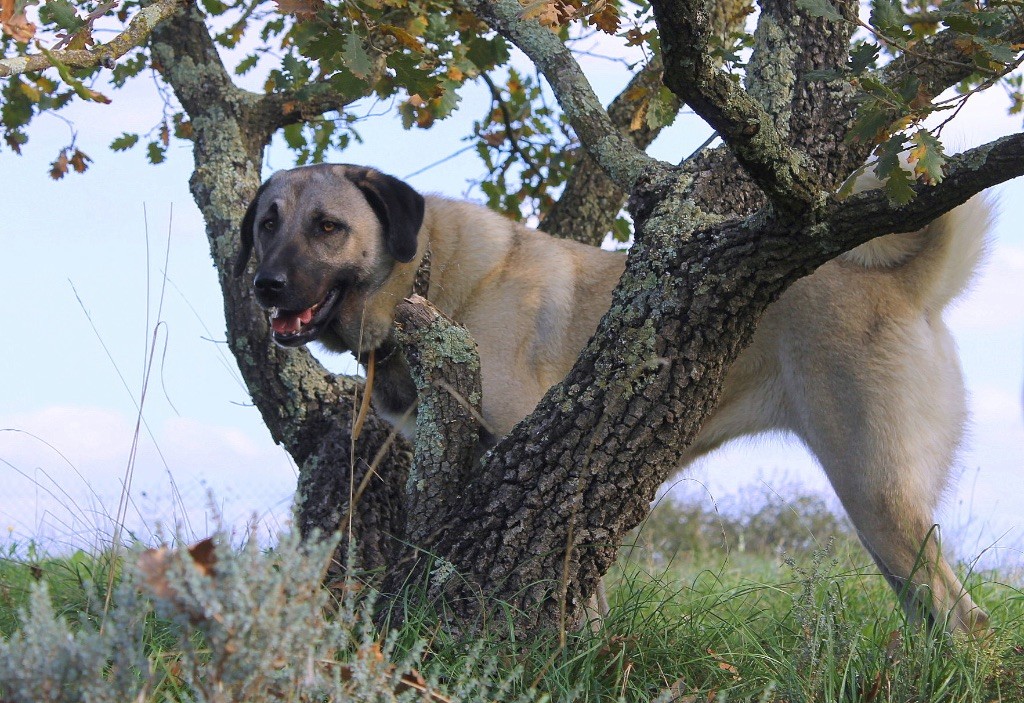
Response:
column 536, row 521
column 306, row 408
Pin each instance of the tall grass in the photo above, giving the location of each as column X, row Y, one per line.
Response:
column 816, row 623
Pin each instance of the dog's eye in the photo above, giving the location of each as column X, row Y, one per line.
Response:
column 269, row 223
column 330, row 226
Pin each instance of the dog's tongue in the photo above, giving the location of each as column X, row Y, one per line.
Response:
column 290, row 323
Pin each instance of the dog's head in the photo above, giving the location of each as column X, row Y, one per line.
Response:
column 327, row 238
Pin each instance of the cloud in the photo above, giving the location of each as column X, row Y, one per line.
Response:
column 63, row 468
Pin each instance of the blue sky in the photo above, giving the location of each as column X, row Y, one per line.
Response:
column 83, row 269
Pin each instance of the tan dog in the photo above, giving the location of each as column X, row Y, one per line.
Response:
column 853, row 359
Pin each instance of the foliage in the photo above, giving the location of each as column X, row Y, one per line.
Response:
column 235, row 625
column 254, row 625
column 416, row 55
column 757, row 521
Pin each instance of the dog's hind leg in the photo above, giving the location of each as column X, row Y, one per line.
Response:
column 885, row 427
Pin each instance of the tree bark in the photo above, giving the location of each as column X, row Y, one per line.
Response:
column 306, row 408
column 535, row 522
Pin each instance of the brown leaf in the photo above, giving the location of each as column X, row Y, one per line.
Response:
column 154, row 563
column 59, row 168
column 681, row 693
column 404, row 37
column 302, row 9
column 13, row 142
column 547, row 12
column 15, row 25
column 606, row 19
column 80, row 161
column 413, row 681
column 204, row 555
column 82, row 39
column 639, row 117
column 724, row 665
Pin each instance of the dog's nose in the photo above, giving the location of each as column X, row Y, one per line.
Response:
column 267, row 283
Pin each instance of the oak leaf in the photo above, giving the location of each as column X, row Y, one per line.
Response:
column 59, row 168
column 302, row 9
column 14, row 23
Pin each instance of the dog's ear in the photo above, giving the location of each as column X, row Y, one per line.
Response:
column 398, row 207
column 246, row 232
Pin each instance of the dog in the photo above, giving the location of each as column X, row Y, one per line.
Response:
column 853, row 359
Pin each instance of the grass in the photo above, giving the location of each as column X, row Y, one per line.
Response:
column 818, row 625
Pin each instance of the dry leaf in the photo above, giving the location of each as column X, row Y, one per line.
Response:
column 302, row 9
column 154, row 563
column 681, row 693
column 724, row 665
column 14, row 25
column 404, row 37
column 204, row 555
column 153, row 567
column 606, row 19
column 59, row 168
column 79, row 161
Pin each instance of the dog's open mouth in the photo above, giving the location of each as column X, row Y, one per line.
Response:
column 294, row 328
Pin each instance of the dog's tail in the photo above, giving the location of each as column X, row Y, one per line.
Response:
column 935, row 264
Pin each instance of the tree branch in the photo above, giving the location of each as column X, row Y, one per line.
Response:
column 445, row 366
column 590, row 202
column 942, row 61
column 938, row 62
column 306, row 409
column 616, row 154
column 134, row 35
column 870, row 214
column 778, row 169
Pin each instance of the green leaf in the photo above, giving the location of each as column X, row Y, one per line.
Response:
column 346, row 83
column 487, row 53
column 872, row 123
column 355, row 57
column 297, row 69
column 448, row 100
column 997, row 51
column 156, row 152
column 410, row 76
column 61, row 13
column 246, row 64
column 889, row 168
column 124, row 142
column 622, row 230
column 324, row 44
column 81, row 90
column 928, row 157
column 293, row 136
column 847, row 187
column 887, row 17
column 820, row 8
column 863, row 57
column 663, row 109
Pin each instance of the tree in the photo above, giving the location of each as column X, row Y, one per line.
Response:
column 717, row 238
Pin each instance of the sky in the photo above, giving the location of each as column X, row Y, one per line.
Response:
column 121, row 310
